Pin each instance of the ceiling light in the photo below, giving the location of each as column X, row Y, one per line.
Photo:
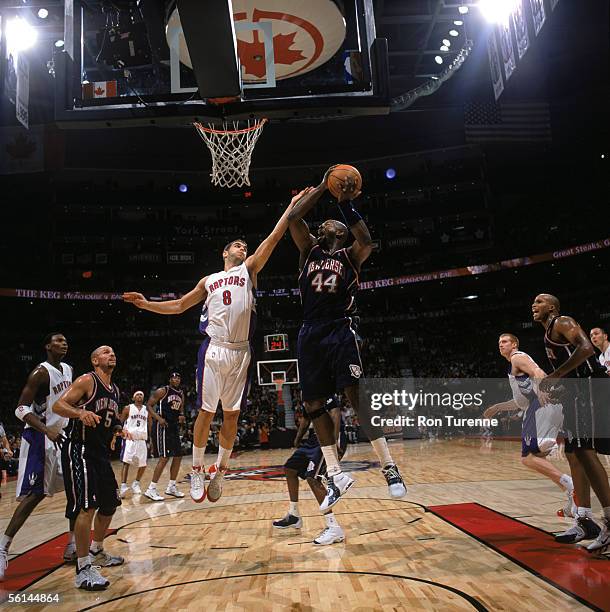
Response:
column 20, row 35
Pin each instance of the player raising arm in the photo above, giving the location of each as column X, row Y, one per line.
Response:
column 223, row 366
column 328, row 351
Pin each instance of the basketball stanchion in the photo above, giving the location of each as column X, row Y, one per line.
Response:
column 279, row 387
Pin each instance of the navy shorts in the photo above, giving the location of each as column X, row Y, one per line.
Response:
column 329, row 358
column 89, row 481
column 308, row 460
column 165, row 440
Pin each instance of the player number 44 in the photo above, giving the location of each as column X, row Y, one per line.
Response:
column 320, row 285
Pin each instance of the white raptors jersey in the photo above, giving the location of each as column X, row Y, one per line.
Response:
column 58, row 383
column 137, row 422
column 229, row 312
column 521, row 386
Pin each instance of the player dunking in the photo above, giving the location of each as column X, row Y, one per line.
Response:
column 40, row 456
column 92, row 405
column 541, row 423
column 165, row 436
column 583, row 384
column 329, row 357
column 225, row 357
column 134, row 452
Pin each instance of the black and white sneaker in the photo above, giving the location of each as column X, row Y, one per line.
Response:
column 102, row 559
column 583, row 528
column 336, row 486
column 90, row 579
column 602, row 542
column 396, row 486
column 296, row 522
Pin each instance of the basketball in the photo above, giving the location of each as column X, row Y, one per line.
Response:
column 338, row 174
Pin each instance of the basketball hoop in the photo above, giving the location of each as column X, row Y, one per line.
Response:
column 279, row 384
column 231, row 148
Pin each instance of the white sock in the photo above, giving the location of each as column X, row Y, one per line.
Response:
column 330, row 519
column 82, row 562
column 96, row 546
column 383, row 452
column 135, row 482
column 124, row 484
column 5, row 542
column 606, row 512
column 172, row 483
column 332, row 462
column 152, row 485
column 581, row 512
column 566, row 482
column 294, row 508
column 71, row 538
column 198, row 453
column 224, row 454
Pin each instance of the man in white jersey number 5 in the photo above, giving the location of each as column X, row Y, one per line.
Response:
column 224, row 362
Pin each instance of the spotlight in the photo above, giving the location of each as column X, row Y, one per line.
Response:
column 444, row 48
column 446, row 42
column 390, row 173
column 453, row 33
column 497, row 11
column 20, row 35
column 463, row 10
column 183, row 188
column 603, row 156
column 470, row 297
column 59, row 43
column 43, row 13
column 458, row 22
column 438, row 59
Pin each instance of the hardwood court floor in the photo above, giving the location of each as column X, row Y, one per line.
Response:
column 397, row 556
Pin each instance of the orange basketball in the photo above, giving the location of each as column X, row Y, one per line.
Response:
column 338, row 174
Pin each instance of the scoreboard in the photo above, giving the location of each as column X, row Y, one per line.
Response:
column 276, row 343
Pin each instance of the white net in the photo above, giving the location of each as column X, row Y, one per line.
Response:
column 231, row 147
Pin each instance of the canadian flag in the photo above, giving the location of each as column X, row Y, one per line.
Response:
column 100, row 89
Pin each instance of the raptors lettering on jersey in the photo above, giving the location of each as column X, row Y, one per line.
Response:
column 229, row 312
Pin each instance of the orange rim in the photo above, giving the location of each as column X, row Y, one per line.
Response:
column 209, row 130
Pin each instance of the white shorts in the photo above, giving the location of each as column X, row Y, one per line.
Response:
column 222, row 374
column 541, row 426
column 134, row 452
column 39, row 465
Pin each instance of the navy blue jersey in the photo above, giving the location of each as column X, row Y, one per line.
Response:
column 105, row 402
column 171, row 404
column 328, row 283
column 558, row 353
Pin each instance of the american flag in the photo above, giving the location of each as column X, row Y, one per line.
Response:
column 509, row 122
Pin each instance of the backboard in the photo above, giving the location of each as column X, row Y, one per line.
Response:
column 298, row 59
column 270, row 371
